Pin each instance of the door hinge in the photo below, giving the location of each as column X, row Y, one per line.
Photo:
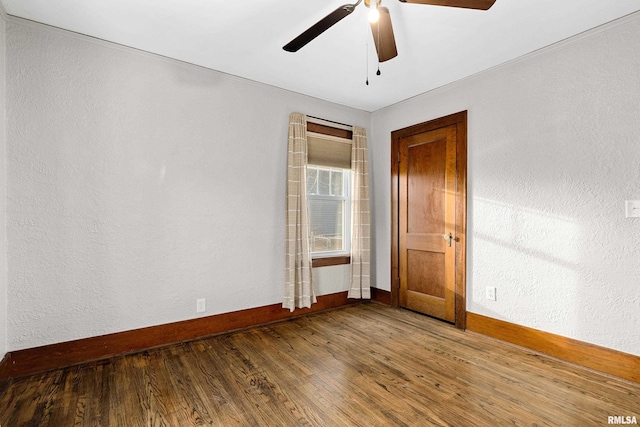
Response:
column 398, row 157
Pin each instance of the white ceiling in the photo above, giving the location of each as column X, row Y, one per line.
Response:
column 436, row 45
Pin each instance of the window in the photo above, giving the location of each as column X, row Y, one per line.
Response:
column 328, row 194
column 328, row 191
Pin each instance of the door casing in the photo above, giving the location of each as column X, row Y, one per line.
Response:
column 460, row 121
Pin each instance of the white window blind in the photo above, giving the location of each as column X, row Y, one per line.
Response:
column 330, row 151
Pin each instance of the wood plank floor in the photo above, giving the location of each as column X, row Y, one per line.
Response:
column 365, row 365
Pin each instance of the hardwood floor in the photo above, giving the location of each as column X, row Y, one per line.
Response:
column 365, row 365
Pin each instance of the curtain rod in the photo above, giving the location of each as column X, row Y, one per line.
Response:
column 349, row 127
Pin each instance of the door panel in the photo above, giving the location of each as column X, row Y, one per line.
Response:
column 426, row 181
column 424, row 273
column 427, row 202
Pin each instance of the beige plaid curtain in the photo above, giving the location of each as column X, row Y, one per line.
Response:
column 298, row 286
column 361, row 223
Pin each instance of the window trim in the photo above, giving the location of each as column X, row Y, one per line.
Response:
column 330, row 260
column 329, row 130
column 321, row 128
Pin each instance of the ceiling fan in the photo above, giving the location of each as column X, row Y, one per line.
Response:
column 380, row 20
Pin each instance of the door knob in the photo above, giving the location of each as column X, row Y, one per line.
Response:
column 448, row 237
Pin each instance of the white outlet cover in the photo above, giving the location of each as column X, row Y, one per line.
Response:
column 200, row 305
column 632, row 208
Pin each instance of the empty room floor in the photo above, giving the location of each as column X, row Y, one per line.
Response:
column 363, row 365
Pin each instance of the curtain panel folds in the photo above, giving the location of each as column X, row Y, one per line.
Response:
column 361, row 218
column 298, row 287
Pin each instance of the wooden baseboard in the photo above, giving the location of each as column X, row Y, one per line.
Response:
column 60, row 355
column 4, row 367
column 601, row 359
column 381, row 296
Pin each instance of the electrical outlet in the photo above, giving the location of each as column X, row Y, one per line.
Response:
column 490, row 293
column 200, row 305
column 632, row 208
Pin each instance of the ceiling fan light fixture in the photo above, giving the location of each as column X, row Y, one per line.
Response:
column 374, row 15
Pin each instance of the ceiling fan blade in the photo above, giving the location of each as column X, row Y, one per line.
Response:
column 383, row 36
column 468, row 4
column 319, row 27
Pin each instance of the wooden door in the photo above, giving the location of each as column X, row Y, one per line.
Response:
column 429, row 218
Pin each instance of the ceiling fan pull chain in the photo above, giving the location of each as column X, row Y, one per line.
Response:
column 366, row 56
column 378, row 56
column 367, row 59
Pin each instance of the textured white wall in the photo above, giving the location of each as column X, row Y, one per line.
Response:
column 554, row 150
column 3, row 175
column 137, row 184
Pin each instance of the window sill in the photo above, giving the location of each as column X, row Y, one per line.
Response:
column 328, row 261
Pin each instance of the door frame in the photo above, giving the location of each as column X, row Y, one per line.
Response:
column 460, row 120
